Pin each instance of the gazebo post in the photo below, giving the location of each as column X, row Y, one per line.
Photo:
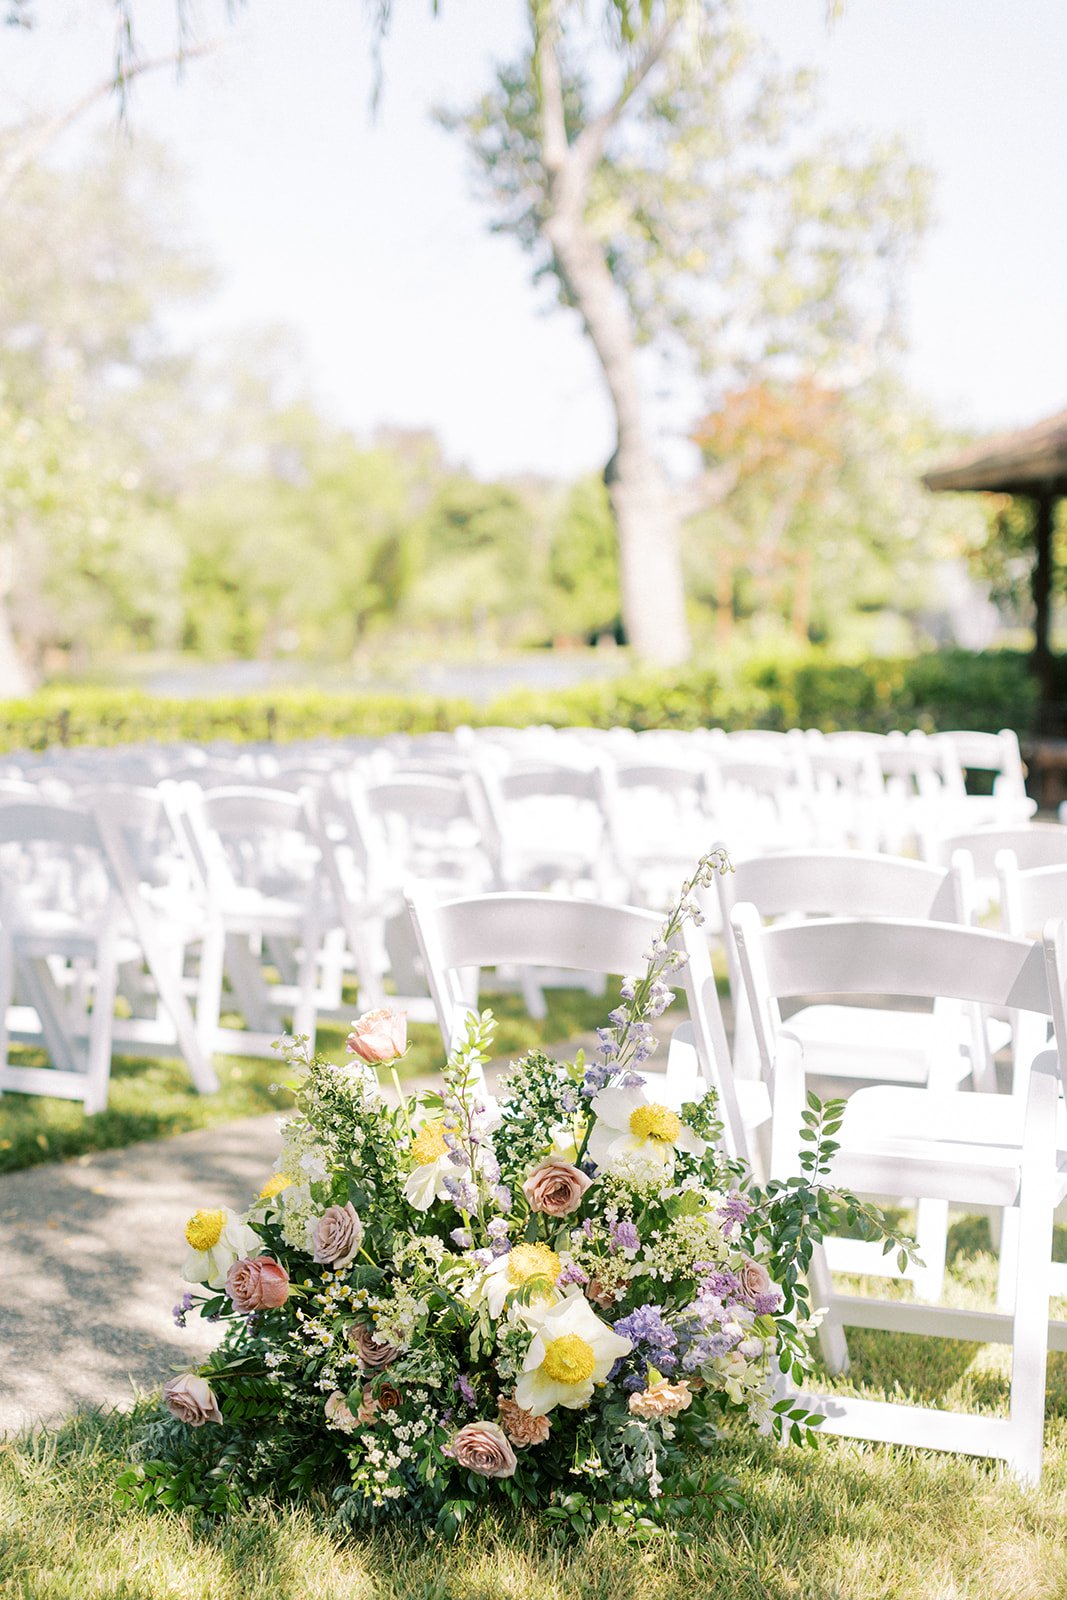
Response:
column 1042, row 659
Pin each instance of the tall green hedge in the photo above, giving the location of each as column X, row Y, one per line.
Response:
column 943, row 689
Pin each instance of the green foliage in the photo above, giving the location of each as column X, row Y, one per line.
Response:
column 800, row 688
column 583, row 564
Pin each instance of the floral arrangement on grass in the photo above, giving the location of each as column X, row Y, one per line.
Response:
column 556, row 1298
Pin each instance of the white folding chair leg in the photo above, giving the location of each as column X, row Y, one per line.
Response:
column 1008, row 1264
column 832, row 1342
column 533, row 996
column 1032, row 1283
column 209, row 987
column 101, row 1024
column 931, row 1235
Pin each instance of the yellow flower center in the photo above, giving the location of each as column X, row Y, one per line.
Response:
column 204, row 1229
column 529, row 1261
column 568, row 1360
column 274, row 1186
column 429, row 1144
column 655, row 1122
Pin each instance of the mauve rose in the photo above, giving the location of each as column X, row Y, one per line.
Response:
column 604, row 1298
column 258, row 1284
column 379, row 1036
column 388, row 1397
column 190, row 1399
column 338, row 1414
column 337, row 1237
column 482, row 1447
column 522, row 1427
column 754, row 1279
column 556, row 1188
column 374, row 1356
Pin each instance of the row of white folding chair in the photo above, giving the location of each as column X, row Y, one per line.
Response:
column 913, row 1141
column 982, row 1150
column 75, row 930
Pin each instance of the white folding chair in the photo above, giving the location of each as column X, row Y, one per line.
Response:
column 658, row 821
column 986, row 1150
column 541, row 930
column 261, row 868
column 60, row 949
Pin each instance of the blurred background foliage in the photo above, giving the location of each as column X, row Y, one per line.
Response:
column 155, row 502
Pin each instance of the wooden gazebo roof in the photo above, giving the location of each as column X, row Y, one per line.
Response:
column 1029, row 461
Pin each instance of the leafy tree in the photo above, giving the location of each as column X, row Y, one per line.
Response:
column 664, row 188
column 583, row 565
column 826, row 518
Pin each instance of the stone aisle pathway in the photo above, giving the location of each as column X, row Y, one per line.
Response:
column 90, row 1260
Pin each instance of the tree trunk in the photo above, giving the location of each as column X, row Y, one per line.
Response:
column 15, row 678
column 647, row 515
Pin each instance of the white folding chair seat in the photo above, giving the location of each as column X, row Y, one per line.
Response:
column 971, row 1150
column 549, row 825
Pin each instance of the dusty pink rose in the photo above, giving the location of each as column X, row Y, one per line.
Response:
column 556, row 1188
column 662, row 1399
column 374, row 1356
column 257, row 1284
column 379, row 1036
column 522, row 1427
column 337, row 1236
column 190, row 1399
column 483, row 1447
column 338, row 1414
column 754, row 1279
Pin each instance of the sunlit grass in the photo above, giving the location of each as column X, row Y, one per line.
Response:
column 153, row 1099
column 845, row 1521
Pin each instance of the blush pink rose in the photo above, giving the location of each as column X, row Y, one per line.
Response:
column 754, row 1279
column 662, row 1399
column 191, row 1399
column 556, row 1188
column 258, row 1284
column 483, row 1447
column 339, row 1416
column 378, row 1037
column 337, row 1236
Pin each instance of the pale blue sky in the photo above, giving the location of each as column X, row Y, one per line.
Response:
column 363, row 235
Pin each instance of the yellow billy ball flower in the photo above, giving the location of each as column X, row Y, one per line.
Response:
column 429, row 1143
column 655, row 1122
column 204, row 1229
column 569, row 1359
column 530, row 1261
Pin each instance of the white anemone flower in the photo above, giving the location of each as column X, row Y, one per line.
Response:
column 635, row 1128
column 433, row 1158
column 533, row 1265
column 570, row 1353
column 433, row 1164
column 217, row 1239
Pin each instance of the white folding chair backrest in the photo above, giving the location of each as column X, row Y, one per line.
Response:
column 1034, row 844
column 581, row 935
column 894, row 956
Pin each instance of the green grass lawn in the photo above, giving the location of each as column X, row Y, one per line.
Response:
column 150, row 1099
column 844, row 1521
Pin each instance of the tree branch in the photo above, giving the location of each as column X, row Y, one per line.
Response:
column 32, row 141
column 544, row 22
column 589, row 145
